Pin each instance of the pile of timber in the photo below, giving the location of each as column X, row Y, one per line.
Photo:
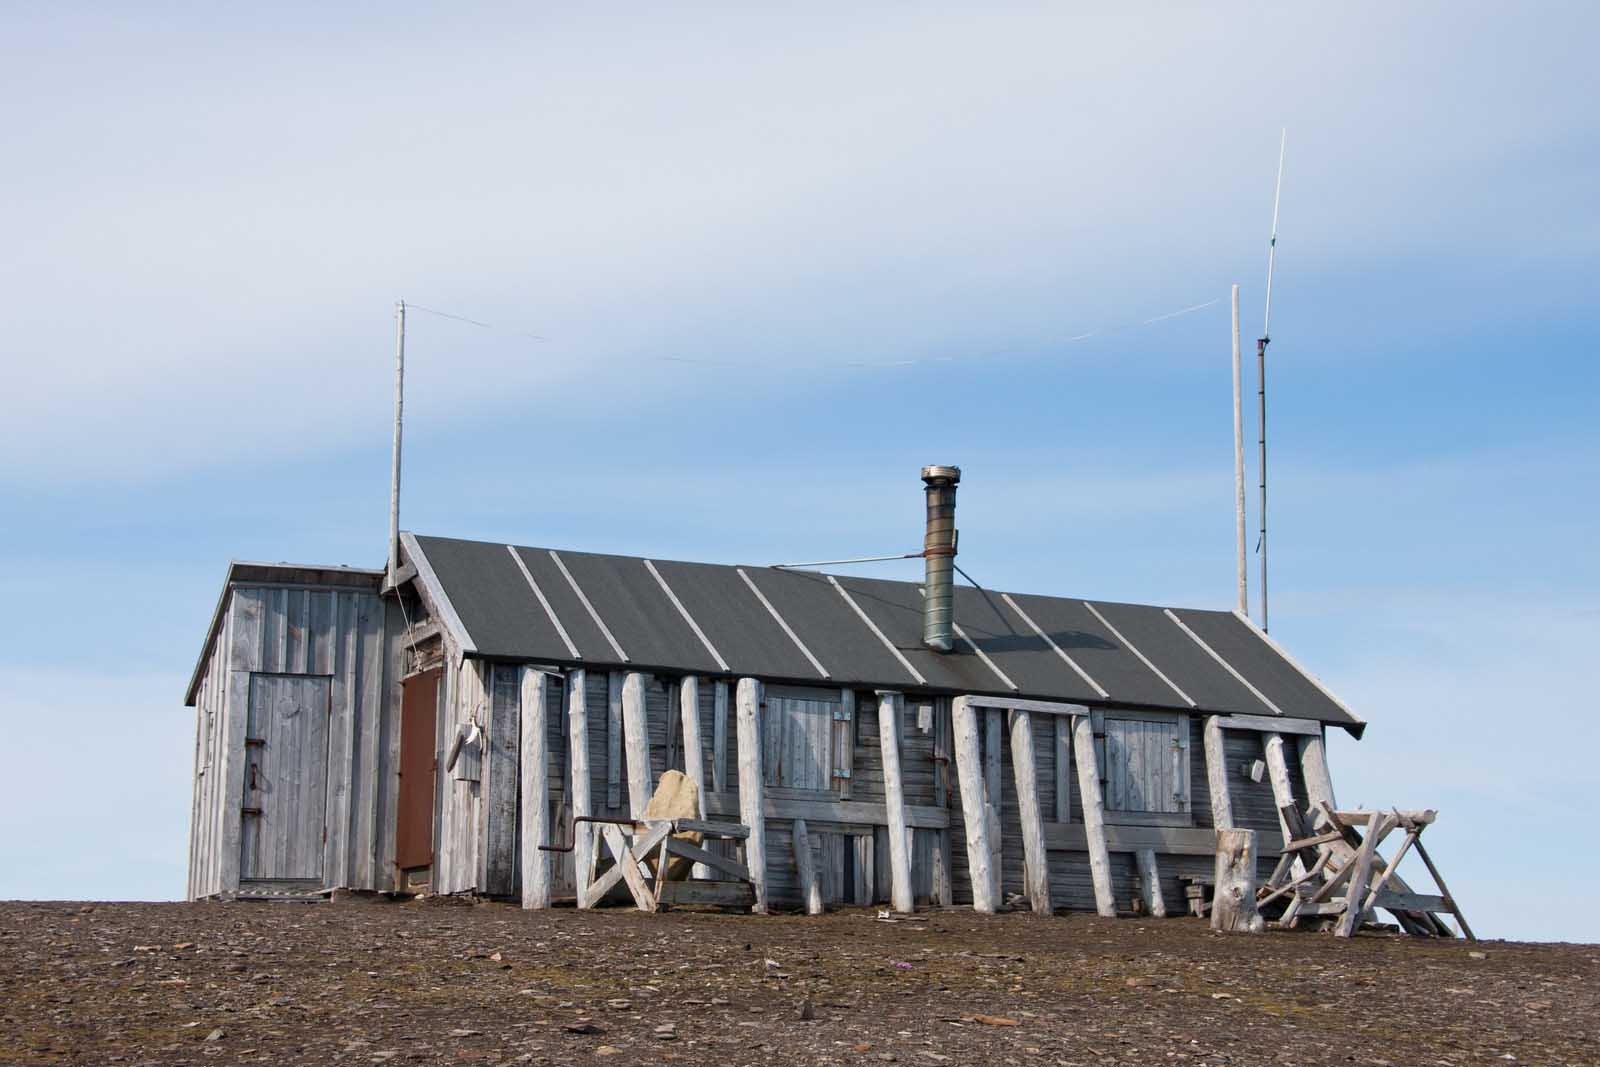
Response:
column 1331, row 872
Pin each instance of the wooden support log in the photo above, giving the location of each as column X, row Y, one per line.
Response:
column 535, row 760
column 614, row 740
column 719, row 736
column 693, row 755
column 1314, row 770
column 1036, row 866
column 1094, row 815
column 1150, row 883
column 969, row 773
column 900, row 894
column 636, row 735
column 752, row 790
column 1217, row 775
column 1233, row 903
column 805, row 865
column 578, row 762
column 992, row 783
column 1061, row 727
column 1282, row 792
column 1444, row 890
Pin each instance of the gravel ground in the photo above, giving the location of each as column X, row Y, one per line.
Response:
column 435, row 981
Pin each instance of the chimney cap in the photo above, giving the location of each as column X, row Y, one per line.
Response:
column 937, row 473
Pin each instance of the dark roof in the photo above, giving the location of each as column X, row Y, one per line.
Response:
column 1120, row 654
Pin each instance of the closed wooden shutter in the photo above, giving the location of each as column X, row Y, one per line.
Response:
column 1146, row 765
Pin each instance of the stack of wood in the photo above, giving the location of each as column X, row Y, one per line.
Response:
column 1332, row 873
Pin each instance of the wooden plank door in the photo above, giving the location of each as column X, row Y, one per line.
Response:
column 419, row 711
column 286, row 778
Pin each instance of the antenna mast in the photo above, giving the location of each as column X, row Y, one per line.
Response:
column 1261, row 374
column 399, row 407
column 1238, row 467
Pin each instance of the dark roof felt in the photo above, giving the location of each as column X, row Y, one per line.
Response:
column 1108, row 642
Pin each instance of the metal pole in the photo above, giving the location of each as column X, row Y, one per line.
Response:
column 1238, row 467
column 1261, row 373
column 399, row 408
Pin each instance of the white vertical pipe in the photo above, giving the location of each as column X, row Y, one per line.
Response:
column 394, row 463
column 1238, row 465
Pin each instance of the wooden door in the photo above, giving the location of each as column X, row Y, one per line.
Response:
column 285, row 778
column 419, row 712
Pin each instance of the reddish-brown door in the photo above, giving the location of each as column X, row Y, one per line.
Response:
column 419, row 710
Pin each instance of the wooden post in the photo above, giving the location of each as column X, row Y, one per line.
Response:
column 1233, row 905
column 992, row 783
column 1094, row 815
column 1314, row 769
column 1217, row 775
column 614, row 740
column 894, row 801
column 693, row 755
column 1355, row 894
column 1282, row 792
column 1150, row 883
column 1036, row 866
column 636, row 735
column 578, row 760
column 969, row 771
column 810, row 888
column 752, row 790
column 535, row 759
column 719, row 736
column 1062, row 726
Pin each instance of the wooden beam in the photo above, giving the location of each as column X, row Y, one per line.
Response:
column 636, row 737
column 535, row 808
column 709, row 860
column 969, row 771
column 1282, row 793
column 1150, row 883
column 578, row 761
column 1036, row 864
column 693, row 753
column 1043, row 707
column 752, row 789
column 1165, row 840
column 1094, row 816
column 1355, row 895
column 1062, row 729
column 1217, row 774
column 889, row 716
column 805, row 866
column 1272, row 724
column 848, row 812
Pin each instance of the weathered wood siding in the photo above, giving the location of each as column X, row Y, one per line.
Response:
column 346, row 635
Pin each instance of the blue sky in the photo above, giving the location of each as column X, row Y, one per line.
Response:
column 215, row 211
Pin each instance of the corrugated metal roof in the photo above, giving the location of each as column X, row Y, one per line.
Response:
column 862, row 631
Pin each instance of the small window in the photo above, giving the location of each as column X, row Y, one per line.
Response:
column 1147, row 766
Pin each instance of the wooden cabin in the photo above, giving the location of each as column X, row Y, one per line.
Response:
column 377, row 731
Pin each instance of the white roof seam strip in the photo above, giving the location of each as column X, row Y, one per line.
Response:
column 1241, row 679
column 848, row 599
column 1187, row 699
column 1096, row 686
column 593, row 614
column 701, row 634
column 987, row 662
column 545, row 603
column 1280, row 650
column 435, row 589
column 801, row 645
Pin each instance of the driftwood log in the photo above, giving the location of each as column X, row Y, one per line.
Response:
column 1233, row 907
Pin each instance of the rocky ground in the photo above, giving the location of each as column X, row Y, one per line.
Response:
column 428, row 981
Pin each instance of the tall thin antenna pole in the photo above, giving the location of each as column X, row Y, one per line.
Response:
column 399, row 409
column 1238, row 466
column 1261, row 372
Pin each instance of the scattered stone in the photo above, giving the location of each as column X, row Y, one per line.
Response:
column 217, row 1035
column 808, row 1012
